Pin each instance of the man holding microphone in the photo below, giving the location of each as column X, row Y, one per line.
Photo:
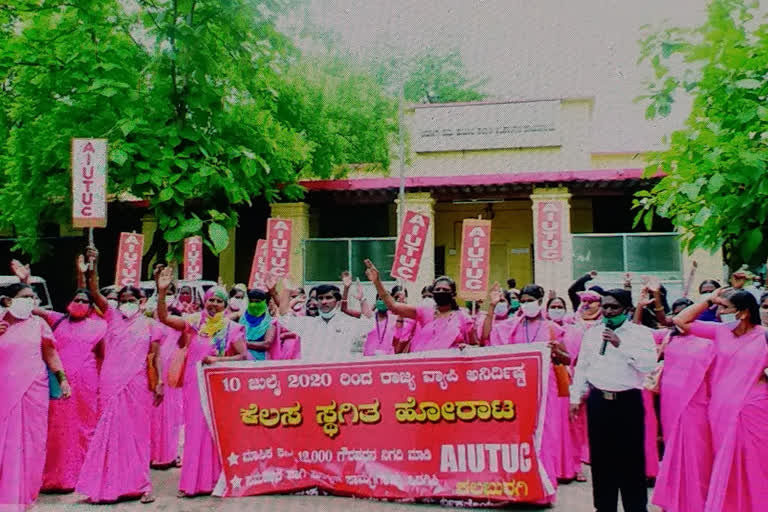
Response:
column 612, row 363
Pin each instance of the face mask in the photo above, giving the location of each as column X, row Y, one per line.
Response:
column 442, row 298
column 728, row 318
column 705, row 297
column 21, row 308
column 556, row 314
column 128, row 309
column 514, row 305
column 530, row 309
column 615, row 322
column 381, row 306
column 257, row 308
column 113, row 303
column 501, row 309
column 78, row 309
column 327, row 315
column 186, row 299
column 428, row 302
column 236, row 304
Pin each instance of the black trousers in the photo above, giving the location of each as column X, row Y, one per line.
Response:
column 616, row 429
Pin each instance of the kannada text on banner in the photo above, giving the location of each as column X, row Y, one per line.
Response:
column 407, row 427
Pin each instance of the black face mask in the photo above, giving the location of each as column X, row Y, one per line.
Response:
column 442, row 298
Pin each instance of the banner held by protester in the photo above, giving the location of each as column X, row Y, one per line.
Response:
column 287, row 427
column 410, row 246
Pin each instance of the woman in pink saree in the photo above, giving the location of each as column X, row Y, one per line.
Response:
column 738, row 407
column 116, row 465
column 211, row 337
column 71, row 423
column 530, row 326
column 437, row 328
column 27, row 345
column 683, row 479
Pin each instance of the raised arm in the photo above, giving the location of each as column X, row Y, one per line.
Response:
column 579, row 285
column 163, row 279
column 23, row 272
column 689, row 281
column 686, row 317
column 81, row 267
column 92, row 257
column 494, row 299
column 397, row 308
column 346, row 281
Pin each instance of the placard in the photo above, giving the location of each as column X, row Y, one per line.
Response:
column 549, row 231
column 475, row 259
column 259, row 265
column 129, row 253
column 193, row 258
column 455, row 426
column 279, row 246
column 89, row 183
column 410, row 246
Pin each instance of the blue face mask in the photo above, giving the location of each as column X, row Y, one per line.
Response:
column 327, row 315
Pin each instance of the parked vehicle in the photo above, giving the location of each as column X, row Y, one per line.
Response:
column 38, row 284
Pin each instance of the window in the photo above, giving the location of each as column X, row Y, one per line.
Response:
column 326, row 258
column 612, row 255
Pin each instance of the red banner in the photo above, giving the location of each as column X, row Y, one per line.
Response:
column 549, row 231
column 279, row 246
column 410, row 246
column 89, row 183
column 129, row 254
column 259, row 265
column 452, row 426
column 475, row 259
column 193, row 258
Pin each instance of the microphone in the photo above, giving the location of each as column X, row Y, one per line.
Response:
column 605, row 343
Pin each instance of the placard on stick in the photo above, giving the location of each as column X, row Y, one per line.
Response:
column 193, row 258
column 475, row 259
column 129, row 253
column 89, row 183
column 279, row 248
column 410, row 246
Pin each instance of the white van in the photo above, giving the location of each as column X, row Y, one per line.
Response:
column 38, row 284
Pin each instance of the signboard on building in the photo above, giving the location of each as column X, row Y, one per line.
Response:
column 89, row 183
column 410, row 246
column 487, row 126
column 259, row 265
column 279, row 246
column 193, row 258
column 129, row 253
column 549, row 231
column 475, row 259
column 403, row 427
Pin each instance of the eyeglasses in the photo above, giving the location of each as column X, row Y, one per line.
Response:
column 81, row 301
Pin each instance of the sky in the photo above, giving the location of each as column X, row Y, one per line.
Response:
column 530, row 49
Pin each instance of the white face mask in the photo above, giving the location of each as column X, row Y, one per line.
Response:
column 113, row 304
column 236, row 304
column 428, row 302
column 22, row 307
column 530, row 309
column 501, row 309
column 727, row 318
column 128, row 309
column 556, row 314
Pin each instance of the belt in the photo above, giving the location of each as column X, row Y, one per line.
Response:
column 612, row 395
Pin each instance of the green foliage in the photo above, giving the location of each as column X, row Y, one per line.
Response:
column 716, row 186
column 205, row 104
column 430, row 77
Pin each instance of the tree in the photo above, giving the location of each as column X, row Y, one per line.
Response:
column 430, row 77
column 715, row 188
column 202, row 102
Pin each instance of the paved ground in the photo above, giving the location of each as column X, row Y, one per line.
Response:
column 574, row 497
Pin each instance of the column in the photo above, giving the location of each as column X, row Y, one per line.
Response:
column 421, row 202
column 299, row 214
column 710, row 265
column 227, row 260
column 552, row 244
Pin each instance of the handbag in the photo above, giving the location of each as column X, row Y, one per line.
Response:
column 54, row 388
column 562, row 375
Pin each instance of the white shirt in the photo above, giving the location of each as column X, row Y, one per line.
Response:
column 327, row 341
column 619, row 369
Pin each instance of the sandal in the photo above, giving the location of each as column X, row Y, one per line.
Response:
column 147, row 498
column 181, row 494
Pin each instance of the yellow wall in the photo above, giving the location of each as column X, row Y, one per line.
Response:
column 581, row 216
column 512, row 230
column 617, row 161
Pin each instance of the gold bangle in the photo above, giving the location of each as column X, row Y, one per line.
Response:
column 658, row 309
